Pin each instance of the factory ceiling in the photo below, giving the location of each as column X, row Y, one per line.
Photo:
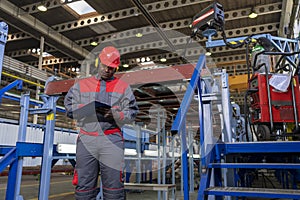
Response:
column 148, row 34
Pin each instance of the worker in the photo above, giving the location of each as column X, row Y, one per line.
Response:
column 101, row 105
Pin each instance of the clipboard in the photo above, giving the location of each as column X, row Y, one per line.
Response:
column 92, row 108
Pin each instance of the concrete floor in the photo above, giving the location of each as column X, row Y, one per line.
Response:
column 61, row 188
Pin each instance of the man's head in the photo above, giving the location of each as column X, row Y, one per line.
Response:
column 109, row 62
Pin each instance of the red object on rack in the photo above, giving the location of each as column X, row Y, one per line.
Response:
column 282, row 102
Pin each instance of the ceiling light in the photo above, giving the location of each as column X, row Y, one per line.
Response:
column 252, row 14
column 81, row 7
column 94, row 43
column 42, row 7
column 138, row 35
column 208, row 53
column 163, row 60
column 125, row 65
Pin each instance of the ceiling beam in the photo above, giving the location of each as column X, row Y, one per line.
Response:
column 191, row 53
column 287, row 6
column 52, row 61
column 18, row 36
column 32, row 26
column 183, row 23
column 182, row 40
column 175, row 25
column 124, row 13
column 32, row 8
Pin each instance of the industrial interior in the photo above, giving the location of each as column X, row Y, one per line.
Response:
column 216, row 83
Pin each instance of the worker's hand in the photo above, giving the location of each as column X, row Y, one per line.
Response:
column 111, row 114
column 102, row 111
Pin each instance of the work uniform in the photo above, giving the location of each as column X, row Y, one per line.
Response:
column 100, row 145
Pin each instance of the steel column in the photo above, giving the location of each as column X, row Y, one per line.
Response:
column 21, row 138
column 3, row 39
column 48, row 148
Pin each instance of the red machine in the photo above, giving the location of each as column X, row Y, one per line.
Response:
column 280, row 104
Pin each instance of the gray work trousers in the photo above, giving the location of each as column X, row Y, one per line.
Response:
column 104, row 154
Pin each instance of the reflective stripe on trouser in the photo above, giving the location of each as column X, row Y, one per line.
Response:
column 104, row 153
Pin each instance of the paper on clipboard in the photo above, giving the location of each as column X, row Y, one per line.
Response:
column 280, row 82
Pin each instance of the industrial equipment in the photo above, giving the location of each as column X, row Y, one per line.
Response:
column 274, row 91
column 229, row 165
column 277, row 116
column 209, row 19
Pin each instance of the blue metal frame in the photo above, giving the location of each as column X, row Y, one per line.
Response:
column 3, row 39
column 211, row 160
column 249, row 192
column 222, row 149
column 31, row 102
column 281, row 45
column 13, row 155
column 178, row 124
column 16, row 83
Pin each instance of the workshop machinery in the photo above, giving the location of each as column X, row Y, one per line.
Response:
column 231, row 165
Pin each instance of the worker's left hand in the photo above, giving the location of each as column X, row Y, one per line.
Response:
column 111, row 114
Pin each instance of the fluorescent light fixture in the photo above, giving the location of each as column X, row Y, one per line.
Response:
column 42, row 7
column 125, row 65
column 252, row 14
column 208, row 53
column 45, row 54
column 163, row 60
column 139, row 35
column 81, row 7
column 150, row 63
column 94, row 42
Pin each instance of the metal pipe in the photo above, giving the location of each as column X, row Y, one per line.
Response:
column 173, row 166
column 269, row 98
column 184, row 162
column 191, row 158
column 294, row 104
column 152, row 21
column 164, row 152
column 3, row 39
column 24, row 80
column 139, row 155
column 158, row 153
column 22, row 138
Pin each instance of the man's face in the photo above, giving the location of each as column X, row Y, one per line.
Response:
column 106, row 72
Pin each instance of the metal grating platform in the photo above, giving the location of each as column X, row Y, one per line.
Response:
column 253, row 192
column 255, row 165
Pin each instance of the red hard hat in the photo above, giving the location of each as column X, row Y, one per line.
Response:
column 110, row 56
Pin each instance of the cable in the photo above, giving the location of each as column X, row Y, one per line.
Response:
column 182, row 57
column 238, row 43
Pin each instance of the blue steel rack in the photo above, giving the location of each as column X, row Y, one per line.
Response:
column 213, row 169
column 13, row 156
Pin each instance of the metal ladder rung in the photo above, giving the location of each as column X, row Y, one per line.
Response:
column 253, row 192
column 255, row 165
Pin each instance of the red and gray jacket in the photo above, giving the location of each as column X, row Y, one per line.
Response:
column 114, row 92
